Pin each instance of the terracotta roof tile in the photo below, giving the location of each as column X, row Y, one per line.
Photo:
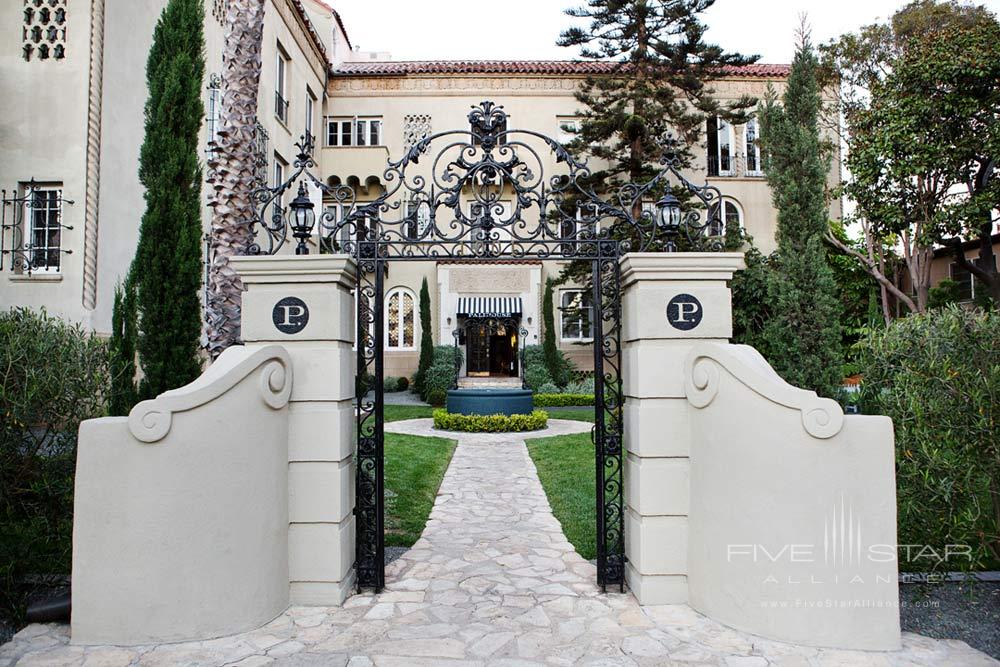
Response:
column 551, row 67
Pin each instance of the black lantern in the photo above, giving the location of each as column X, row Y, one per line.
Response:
column 301, row 219
column 668, row 213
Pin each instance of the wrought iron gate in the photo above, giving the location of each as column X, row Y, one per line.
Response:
column 514, row 209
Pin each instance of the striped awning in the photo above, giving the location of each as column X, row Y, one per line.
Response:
column 489, row 306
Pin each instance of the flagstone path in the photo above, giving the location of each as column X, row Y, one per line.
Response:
column 492, row 581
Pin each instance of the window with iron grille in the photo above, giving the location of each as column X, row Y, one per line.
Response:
column 720, row 147
column 280, row 76
column 213, row 118
column 44, row 228
column 751, row 140
column 310, row 104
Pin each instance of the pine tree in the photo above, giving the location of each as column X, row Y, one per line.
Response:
column 805, row 309
column 168, row 261
column 426, row 339
column 660, row 83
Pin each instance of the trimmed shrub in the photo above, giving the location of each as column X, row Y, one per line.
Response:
column 585, row 386
column 391, row 383
column 441, row 374
column 937, row 376
column 562, row 400
column 404, row 384
column 53, row 375
column 437, row 397
column 447, row 421
column 537, row 370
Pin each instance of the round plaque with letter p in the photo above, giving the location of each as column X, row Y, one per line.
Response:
column 684, row 312
column 290, row 315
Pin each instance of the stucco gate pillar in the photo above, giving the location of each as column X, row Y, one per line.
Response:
column 758, row 503
column 670, row 302
column 305, row 304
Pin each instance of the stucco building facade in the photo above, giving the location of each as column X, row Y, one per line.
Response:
column 71, row 124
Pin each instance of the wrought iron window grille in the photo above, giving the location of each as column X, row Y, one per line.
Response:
column 31, row 225
column 280, row 107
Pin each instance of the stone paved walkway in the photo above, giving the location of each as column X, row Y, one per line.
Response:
column 492, row 581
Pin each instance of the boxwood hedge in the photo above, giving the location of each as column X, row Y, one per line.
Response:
column 447, row 421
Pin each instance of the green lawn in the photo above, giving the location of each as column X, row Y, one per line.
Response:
column 414, row 468
column 565, row 466
column 395, row 413
column 582, row 415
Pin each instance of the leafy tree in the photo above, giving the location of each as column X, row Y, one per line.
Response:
column 936, row 375
column 426, row 339
column 167, row 266
column 804, row 325
column 233, row 171
column 921, row 97
column 859, row 299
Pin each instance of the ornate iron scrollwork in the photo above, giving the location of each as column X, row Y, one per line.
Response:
column 483, row 193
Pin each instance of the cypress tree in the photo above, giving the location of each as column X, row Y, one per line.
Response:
column 168, row 262
column 804, row 328
column 550, row 353
column 426, row 339
column 122, row 350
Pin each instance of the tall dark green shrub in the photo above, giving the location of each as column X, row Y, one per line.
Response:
column 426, row 339
column 804, row 329
column 121, row 347
column 168, row 260
column 555, row 363
column 937, row 375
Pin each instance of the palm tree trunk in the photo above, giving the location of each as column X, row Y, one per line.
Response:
column 233, row 171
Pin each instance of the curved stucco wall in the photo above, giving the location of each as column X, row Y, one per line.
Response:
column 181, row 510
column 792, row 507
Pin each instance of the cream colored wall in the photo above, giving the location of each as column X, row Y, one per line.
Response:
column 43, row 132
column 43, row 129
column 190, row 541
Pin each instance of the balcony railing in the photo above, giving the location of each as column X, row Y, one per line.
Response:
column 734, row 165
column 280, row 107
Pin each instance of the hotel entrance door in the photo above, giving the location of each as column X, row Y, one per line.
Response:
column 491, row 348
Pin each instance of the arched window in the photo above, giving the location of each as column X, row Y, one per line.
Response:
column 399, row 319
column 720, row 220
